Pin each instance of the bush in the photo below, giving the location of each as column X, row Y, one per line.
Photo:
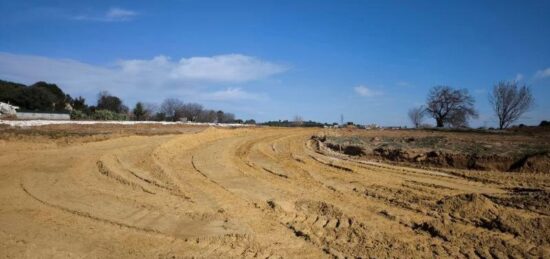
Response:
column 107, row 115
column 78, row 115
column 544, row 124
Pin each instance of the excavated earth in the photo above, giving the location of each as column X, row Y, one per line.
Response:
column 254, row 192
column 523, row 150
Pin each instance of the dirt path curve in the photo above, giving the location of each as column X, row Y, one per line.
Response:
column 246, row 193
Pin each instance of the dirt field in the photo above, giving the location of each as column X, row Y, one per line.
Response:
column 252, row 192
column 519, row 150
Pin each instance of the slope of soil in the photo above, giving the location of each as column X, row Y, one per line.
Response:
column 503, row 151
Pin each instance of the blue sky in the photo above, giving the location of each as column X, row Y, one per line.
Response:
column 270, row 60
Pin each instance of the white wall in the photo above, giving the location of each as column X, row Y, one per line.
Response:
column 42, row 116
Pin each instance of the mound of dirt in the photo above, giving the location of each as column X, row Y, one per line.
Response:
column 538, row 163
column 480, row 211
column 468, row 206
column 319, row 207
column 350, row 150
column 505, row 153
column 456, row 160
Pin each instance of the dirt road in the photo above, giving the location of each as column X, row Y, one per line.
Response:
column 254, row 193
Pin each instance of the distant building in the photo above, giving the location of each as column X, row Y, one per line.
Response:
column 11, row 110
column 393, row 127
column 7, row 109
column 372, row 126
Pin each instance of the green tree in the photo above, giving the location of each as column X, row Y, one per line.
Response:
column 40, row 96
column 58, row 98
column 139, row 112
column 79, row 104
column 106, row 101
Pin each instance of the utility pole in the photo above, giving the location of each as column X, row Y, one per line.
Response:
column 341, row 119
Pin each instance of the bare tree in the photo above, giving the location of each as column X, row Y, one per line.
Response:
column 227, row 117
column 510, row 101
column 298, row 120
column 207, row 116
column 151, row 109
column 416, row 115
column 191, row 111
column 445, row 103
column 457, row 119
column 171, row 107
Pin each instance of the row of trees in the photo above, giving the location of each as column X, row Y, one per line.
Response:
column 46, row 97
column 298, row 121
column 171, row 109
column 455, row 107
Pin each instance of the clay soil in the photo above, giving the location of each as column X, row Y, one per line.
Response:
column 252, row 192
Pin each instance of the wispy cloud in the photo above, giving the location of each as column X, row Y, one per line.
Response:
column 119, row 14
column 544, row 73
column 221, row 68
column 365, row 91
column 519, row 77
column 114, row 14
column 145, row 79
column 232, row 94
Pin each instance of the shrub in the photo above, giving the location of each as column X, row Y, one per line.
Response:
column 78, row 115
column 107, row 115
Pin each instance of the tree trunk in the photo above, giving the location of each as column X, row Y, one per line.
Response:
column 439, row 123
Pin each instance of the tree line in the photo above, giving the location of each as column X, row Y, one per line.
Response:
column 46, row 97
column 171, row 109
column 449, row 107
column 454, row 108
column 40, row 96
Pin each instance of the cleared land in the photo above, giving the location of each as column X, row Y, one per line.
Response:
column 251, row 192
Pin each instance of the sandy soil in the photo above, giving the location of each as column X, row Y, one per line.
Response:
column 254, row 192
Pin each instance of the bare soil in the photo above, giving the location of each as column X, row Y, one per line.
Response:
column 253, row 192
column 506, row 151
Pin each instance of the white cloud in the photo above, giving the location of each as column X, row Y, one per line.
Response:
column 222, row 68
column 543, row 73
column 365, row 91
column 519, row 77
column 232, row 67
column 145, row 79
column 114, row 14
column 120, row 14
column 231, row 94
